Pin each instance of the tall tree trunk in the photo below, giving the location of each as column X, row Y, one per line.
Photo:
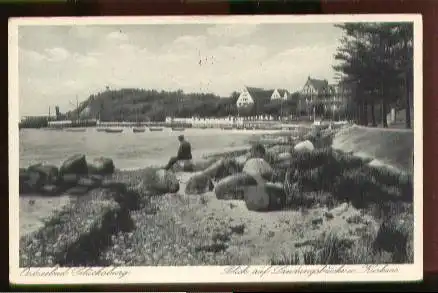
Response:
column 373, row 115
column 384, row 113
column 365, row 113
column 408, row 100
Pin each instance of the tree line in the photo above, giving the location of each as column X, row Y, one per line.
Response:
column 152, row 105
column 375, row 60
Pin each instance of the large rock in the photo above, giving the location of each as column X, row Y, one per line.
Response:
column 256, row 198
column 284, row 156
column 76, row 164
column 166, row 181
column 76, row 235
column 233, row 186
column 49, row 172
column 101, row 166
column 222, row 168
column 67, row 181
column 183, row 166
column 31, row 182
column 304, row 146
column 258, row 168
column 199, row 183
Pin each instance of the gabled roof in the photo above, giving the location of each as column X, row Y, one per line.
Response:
column 320, row 85
column 260, row 95
column 282, row 92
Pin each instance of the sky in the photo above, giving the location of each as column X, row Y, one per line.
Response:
column 58, row 64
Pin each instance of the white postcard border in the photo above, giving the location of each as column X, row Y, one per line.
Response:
column 214, row 274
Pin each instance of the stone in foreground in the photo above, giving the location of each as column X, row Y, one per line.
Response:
column 165, row 181
column 75, row 164
column 304, row 146
column 199, row 183
column 76, row 235
column 101, row 166
column 258, row 168
column 183, row 166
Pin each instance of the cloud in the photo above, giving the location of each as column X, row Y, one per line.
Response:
column 232, row 30
column 57, row 54
column 31, row 57
column 191, row 62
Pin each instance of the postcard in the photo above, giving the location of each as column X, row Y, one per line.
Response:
column 215, row 149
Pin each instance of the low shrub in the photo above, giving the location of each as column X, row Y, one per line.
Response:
column 395, row 235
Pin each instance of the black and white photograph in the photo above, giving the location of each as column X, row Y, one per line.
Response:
column 215, row 149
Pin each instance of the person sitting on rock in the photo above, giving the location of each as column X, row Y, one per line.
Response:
column 184, row 152
column 257, row 151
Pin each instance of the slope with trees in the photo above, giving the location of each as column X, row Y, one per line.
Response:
column 376, row 60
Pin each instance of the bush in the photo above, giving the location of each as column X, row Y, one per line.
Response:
column 358, row 188
column 395, row 235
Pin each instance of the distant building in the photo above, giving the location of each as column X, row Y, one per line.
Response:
column 244, row 98
column 319, row 93
column 259, row 96
column 280, row 94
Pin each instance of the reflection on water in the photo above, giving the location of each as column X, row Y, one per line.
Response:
column 128, row 149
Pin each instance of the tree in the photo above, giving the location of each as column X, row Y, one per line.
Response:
column 371, row 57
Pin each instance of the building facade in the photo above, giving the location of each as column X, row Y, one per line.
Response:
column 317, row 95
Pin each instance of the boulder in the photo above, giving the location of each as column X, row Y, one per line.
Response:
column 256, row 198
column 23, row 174
column 222, row 168
column 233, row 186
column 68, row 180
column 340, row 209
column 34, row 182
column 48, row 172
column 50, row 189
column 102, row 166
column 183, row 166
column 277, row 195
column 166, row 181
column 113, row 185
column 77, row 190
column 75, row 164
column 304, row 146
column 75, row 235
column 258, row 168
column 284, row 156
column 88, row 182
column 241, row 160
column 199, row 183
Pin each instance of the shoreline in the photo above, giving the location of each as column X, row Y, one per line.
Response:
column 145, row 211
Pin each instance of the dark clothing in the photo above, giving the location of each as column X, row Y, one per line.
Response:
column 184, row 153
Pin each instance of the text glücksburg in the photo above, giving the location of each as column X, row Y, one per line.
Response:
column 74, row 272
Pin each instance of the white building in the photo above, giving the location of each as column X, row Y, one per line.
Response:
column 280, row 94
column 245, row 98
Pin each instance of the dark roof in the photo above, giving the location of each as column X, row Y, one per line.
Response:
column 320, row 85
column 282, row 92
column 260, row 95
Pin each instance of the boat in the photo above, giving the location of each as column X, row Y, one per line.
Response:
column 178, row 129
column 155, row 128
column 227, row 127
column 100, row 129
column 113, row 130
column 138, row 129
column 75, row 129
